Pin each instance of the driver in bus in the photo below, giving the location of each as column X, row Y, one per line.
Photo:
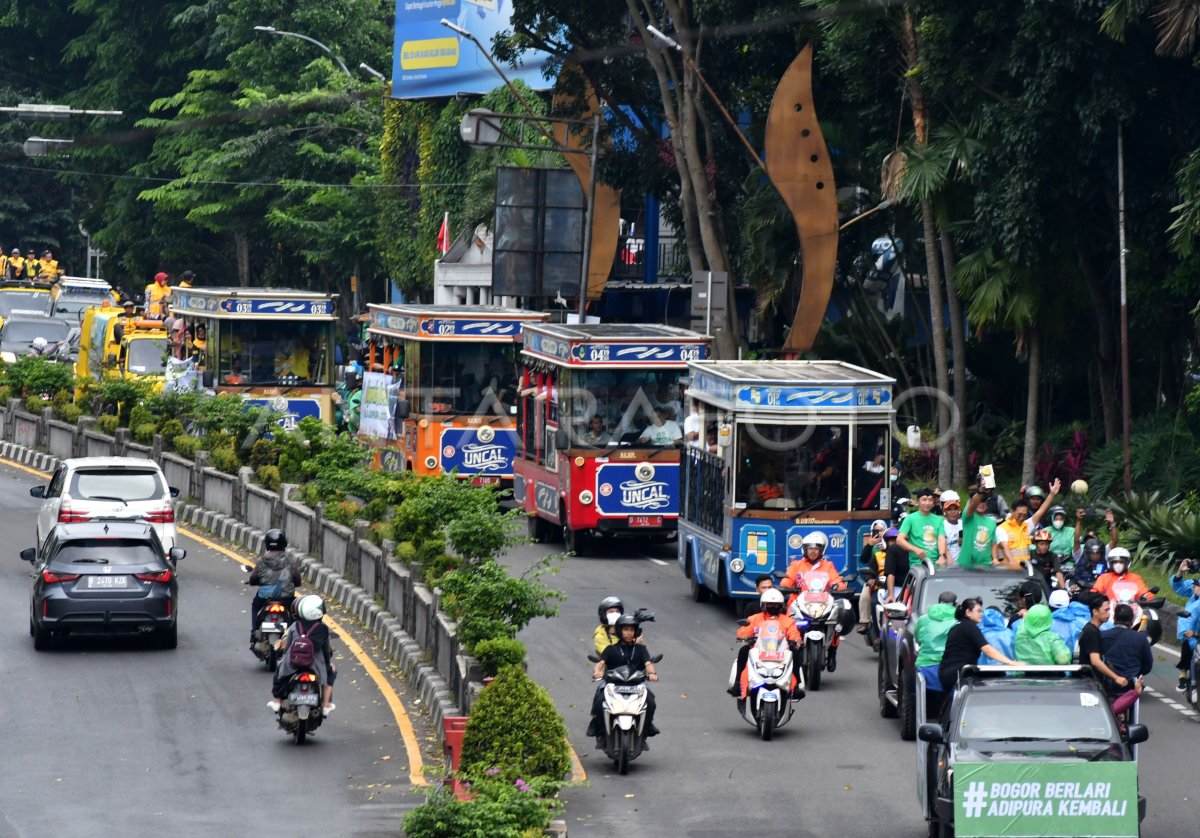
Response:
column 663, row 431
column 770, row 487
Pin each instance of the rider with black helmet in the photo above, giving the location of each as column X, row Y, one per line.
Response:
column 276, row 576
column 625, row 652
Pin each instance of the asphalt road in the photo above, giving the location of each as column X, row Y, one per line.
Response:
column 838, row 768
column 112, row 736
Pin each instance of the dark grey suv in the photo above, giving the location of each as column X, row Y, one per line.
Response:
column 997, row 587
column 103, row 577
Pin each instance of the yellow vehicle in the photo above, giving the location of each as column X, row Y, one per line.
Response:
column 25, row 297
column 73, row 295
column 114, row 345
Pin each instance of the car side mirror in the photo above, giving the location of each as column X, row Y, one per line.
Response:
column 1154, row 590
column 29, row 554
column 177, row 553
column 594, row 658
column 38, row 491
column 402, row 408
column 896, row 610
column 1137, row 734
column 174, row 490
column 561, row 440
column 933, row 733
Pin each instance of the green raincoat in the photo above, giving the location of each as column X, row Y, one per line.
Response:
column 931, row 631
column 1036, row 643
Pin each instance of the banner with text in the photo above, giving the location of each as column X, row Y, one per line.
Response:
column 375, row 414
column 1037, row 799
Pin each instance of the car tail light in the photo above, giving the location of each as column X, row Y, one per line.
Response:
column 160, row 576
column 161, row 516
column 307, row 677
column 275, row 608
column 67, row 515
column 50, row 577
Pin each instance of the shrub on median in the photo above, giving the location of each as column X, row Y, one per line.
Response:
column 107, row 424
column 497, row 809
column 498, row 652
column 486, row 602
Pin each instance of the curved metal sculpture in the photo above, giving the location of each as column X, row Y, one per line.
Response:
column 798, row 165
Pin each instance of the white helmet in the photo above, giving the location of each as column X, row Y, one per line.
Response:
column 879, row 525
column 39, row 343
column 815, row 538
column 771, row 595
column 1118, row 555
column 1059, row 599
column 310, row 608
column 951, row 496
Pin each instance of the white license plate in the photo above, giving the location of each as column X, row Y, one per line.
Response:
column 304, row 699
column 107, row 582
column 271, row 627
column 645, row 520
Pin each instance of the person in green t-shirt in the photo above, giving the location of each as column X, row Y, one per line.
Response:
column 979, row 534
column 922, row 533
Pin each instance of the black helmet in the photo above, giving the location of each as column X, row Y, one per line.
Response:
column 607, row 603
column 275, row 540
column 626, row 620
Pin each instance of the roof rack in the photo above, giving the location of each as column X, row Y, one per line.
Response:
column 45, row 284
column 929, row 566
column 1071, row 670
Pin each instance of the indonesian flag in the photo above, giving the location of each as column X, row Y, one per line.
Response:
column 443, row 241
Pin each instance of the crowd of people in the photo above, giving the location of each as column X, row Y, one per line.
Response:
column 30, row 266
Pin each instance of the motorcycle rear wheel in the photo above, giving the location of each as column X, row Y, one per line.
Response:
column 301, row 731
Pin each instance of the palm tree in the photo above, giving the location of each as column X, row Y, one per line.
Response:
column 1177, row 22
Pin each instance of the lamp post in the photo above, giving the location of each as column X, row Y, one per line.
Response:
column 271, row 30
column 53, row 113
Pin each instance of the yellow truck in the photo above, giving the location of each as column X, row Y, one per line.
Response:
column 112, row 344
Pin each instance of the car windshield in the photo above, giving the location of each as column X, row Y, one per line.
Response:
column 639, row 407
column 147, row 356
column 107, row 552
column 21, row 333
column 120, row 485
column 1031, row 715
column 24, row 302
column 73, row 309
column 996, row 588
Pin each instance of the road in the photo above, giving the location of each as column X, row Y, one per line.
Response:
column 113, row 736
column 837, row 769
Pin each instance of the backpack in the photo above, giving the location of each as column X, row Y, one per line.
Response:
column 303, row 651
column 270, row 584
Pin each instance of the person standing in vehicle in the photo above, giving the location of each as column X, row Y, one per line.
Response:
column 964, row 643
column 1035, row 643
column 1044, row 561
column 930, row 633
column 187, row 279
column 276, row 576
column 922, row 533
column 952, row 525
column 156, row 293
column 1015, row 535
column 1062, row 537
column 310, row 616
column 16, row 264
column 895, row 563
column 870, row 567
column 979, row 534
column 626, row 652
column 771, row 603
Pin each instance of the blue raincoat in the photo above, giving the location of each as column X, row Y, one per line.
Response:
column 999, row 636
column 1069, row 621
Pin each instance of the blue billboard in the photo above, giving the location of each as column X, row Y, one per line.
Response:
column 431, row 60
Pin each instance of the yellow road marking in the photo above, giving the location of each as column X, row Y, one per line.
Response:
column 416, row 765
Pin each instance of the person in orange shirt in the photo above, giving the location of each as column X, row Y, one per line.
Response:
column 813, row 545
column 771, row 603
column 1118, row 571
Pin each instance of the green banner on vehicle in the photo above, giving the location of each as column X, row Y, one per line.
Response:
column 1035, row 799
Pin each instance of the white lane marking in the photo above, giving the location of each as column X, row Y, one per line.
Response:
column 657, row 561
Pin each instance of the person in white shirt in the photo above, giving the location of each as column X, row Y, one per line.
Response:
column 693, row 430
column 952, row 525
column 663, row 431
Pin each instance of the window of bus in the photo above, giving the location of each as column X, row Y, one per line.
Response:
column 791, row 466
column 627, row 407
column 869, row 461
column 273, row 353
column 466, row 378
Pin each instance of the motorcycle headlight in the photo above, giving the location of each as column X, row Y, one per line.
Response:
column 816, row 610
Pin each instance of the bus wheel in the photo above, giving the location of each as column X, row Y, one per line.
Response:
column 574, row 541
column 535, row 529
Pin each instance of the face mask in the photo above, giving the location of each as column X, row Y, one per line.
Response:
column 612, row 617
column 893, row 477
column 1058, row 525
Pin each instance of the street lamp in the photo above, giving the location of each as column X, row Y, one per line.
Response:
column 882, row 205
column 271, row 30
column 53, row 113
column 367, row 68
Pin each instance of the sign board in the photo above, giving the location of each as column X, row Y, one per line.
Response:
column 1045, row 799
column 631, row 489
column 375, row 413
column 431, row 60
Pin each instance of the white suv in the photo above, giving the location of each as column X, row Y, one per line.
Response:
column 112, row 488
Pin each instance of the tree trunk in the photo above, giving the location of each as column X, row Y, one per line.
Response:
column 1034, row 347
column 241, row 246
column 1105, row 346
column 958, row 345
column 933, row 260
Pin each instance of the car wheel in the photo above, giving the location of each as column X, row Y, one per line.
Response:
column 168, row 638
column 908, row 704
column 41, row 638
column 886, row 708
column 935, row 828
column 574, row 541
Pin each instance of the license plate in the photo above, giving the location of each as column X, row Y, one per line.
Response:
column 484, row 481
column 107, row 582
column 271, row 627
column 304, row 699
column 645, row 520
column 627, row 690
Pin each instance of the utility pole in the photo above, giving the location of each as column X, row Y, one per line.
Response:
column 1125, row 401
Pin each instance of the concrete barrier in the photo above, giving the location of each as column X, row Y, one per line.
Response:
column 335, row 546
column 218, row 491
column 61, row 437
column 25, row 429
column 96, row 444
column 298, row 524
column 178, row 472
column 261, row 508
column 142, row 452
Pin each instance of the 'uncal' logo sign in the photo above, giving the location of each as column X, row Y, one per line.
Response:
column 624, row 489
column 478, row 451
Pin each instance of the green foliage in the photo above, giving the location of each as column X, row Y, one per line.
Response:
column 144, row 433
column 498, row 652
column 486, row 602
column 1165, row 458
column 67, row 413
column 344, row 512
column 121, row 396
column 140, row 415
column 185, row 445
column 268, row 477
column 406, row 552
column 498, row 809
column 437, row 567
column 226, row 460
column 262, row 453
column 227, row 414
column 6, row 393
column 62, row 397
column 173, row 406
column 468, row 515
column 35, row 376
column 171, row 429
column 515, row 730
column 382, row 531
column 36, row 404
column 107, row 424
column 1167, row 528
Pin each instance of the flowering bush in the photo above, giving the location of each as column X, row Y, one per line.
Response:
column 496, row 809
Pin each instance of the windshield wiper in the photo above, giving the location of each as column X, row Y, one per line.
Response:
column 89, row 561
column 1089, row 739
column 1019, row 739
column 109, row 497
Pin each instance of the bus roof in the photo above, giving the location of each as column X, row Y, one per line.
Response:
column 254, row 304
column 492, row 324
column 614, row 345
column 790, row 386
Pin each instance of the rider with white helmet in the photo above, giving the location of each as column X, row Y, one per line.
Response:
column 310, row 614
column 772, row 603
column 38, row 347
column 812, row 557
column 1118, row 571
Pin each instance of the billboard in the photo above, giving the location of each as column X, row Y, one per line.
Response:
column 432, row 60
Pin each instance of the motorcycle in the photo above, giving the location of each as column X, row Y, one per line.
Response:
column 768, row 704
column 625, row 699
column 300, row 712
column 272, row 626
column 823, row 617
column 1145, row 611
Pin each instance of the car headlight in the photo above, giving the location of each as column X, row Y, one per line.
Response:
column 430, row 462
column 737, row 565
column 586, row 497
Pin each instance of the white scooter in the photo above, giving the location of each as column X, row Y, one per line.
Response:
column 625, row 699
column 769, row 703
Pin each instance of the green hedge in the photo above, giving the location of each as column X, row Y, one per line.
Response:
column 515, row 732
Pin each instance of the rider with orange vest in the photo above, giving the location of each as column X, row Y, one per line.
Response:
column 1118, row 571
column 813, row 545
column 771, row 603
